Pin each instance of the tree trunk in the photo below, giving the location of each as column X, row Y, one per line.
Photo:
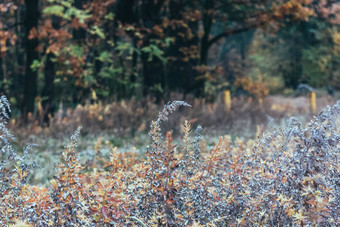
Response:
column 30, row 87
column 48, row 90
column 181, row 73
column 153, row 70
column 207, row 24
column 124, row 11
column 79, row 34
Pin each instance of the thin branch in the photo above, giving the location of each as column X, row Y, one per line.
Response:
column 233, row 31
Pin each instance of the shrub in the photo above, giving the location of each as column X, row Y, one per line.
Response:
column 288, row 177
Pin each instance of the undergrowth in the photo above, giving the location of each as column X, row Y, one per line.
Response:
column 288, row 177
column 128, row 119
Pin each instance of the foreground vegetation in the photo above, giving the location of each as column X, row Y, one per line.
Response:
column 289, row 176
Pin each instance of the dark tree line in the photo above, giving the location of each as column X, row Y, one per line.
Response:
column 71, row 50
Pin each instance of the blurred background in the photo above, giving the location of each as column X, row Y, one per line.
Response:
column 110, row 65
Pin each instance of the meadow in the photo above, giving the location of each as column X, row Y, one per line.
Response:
column 285, row 176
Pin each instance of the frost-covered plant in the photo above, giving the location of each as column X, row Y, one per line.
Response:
column 288, row 177
column 92, row 199
column 295, row 174
column 291, row 176
column 7, row 151
column 14, row 170
column 158, row 198
column 180, row 185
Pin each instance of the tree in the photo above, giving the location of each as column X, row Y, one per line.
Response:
column 48, row 92
column 117, row 49
column 32, row 15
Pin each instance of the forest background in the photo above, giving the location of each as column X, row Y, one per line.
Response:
column 73, row 51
